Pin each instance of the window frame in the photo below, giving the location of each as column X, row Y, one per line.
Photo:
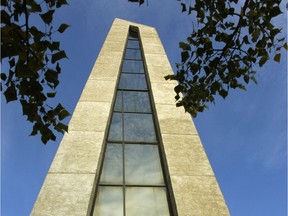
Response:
column 167, row 185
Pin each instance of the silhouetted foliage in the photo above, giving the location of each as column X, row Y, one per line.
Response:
column 228, row 40
column 33, row 59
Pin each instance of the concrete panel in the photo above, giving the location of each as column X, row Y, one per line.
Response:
column 153, row 48
column 198, row 196
column 107, row 57
column 156, row 60
column 185, row 155
column 90, row 116
column 173, row 120
column 113, row 46
column 106, row 71
column 157, row 74
column 150, row 37
column 163, row 93
column 118, row 33
column 64, row 194
column 78, row 153
column 98, row 91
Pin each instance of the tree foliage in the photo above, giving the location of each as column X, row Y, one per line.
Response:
column 227, row 43
column 33, row 59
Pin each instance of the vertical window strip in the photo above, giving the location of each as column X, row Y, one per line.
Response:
column 146, row 175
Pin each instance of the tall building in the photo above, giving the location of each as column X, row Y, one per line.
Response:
column 129, row 150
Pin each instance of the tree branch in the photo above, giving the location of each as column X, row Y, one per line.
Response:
column 27, row 29
column 237, row 28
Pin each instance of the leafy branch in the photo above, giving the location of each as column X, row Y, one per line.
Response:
column 33, row 58
column 221, row 53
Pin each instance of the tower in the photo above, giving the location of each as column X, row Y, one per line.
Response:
column 129, row 150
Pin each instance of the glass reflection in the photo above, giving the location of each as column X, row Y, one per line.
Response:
column 133, row 81
column 142, row 165
column 144, row 201
column 133, row 44
column 118, row 102
column 139, row 127
column 115, row 131
column 133, row 54
column 112, row 171
column 109, row 202
column 136, row 101
column 133, row 66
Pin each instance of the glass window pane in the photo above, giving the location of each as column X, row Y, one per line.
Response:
column 142, row 165
column 133, row 81
column 133, row 34
column 133, row 66
column 136, row 101
column 132, row 54
column 143, row 201
column 112, row 171
column 115, row 132
column 139, row 127
column 118, row 102
column 133, row 44
column 109, row 201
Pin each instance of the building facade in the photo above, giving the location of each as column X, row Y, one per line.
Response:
column 129, row 150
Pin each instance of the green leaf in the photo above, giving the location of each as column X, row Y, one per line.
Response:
column 183, row 7
column 184, row 56
column 223, row 93
column 58, row 68
column 52, row 77
column 57, row 56
column 277, row 57
column 10, row 93
column 48, row 16
column 47, row 134
column 285, row 46
column 263, row 60
column 51, row 95
column 215, row 87
column 178, row 89
column 275, row 11
column 194, row 67
column 36, row 128
column 34, row 7
column 246, row 79
column 12, row 62
column 63, row 114
column 62, row 27
column 54, row 46
column 254, row 79
column 59, row 3
column 242, row 87
column 184, row 46
column 58, row 109
column 61, row 128
column 170, row 77
column 3, row 76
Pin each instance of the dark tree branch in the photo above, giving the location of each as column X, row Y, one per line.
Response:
column 237, row 28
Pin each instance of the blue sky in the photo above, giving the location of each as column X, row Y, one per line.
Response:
column 245, row 136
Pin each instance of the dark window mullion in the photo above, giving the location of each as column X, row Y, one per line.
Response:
column 132, row 142
column 132, row 73
column 123, row 154
column 133, row 185
column 131, row 48
column 134, row 59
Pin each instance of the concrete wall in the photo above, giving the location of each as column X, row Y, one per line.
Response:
column 67, row 189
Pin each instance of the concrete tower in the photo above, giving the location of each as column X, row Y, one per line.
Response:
column 129, row 150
